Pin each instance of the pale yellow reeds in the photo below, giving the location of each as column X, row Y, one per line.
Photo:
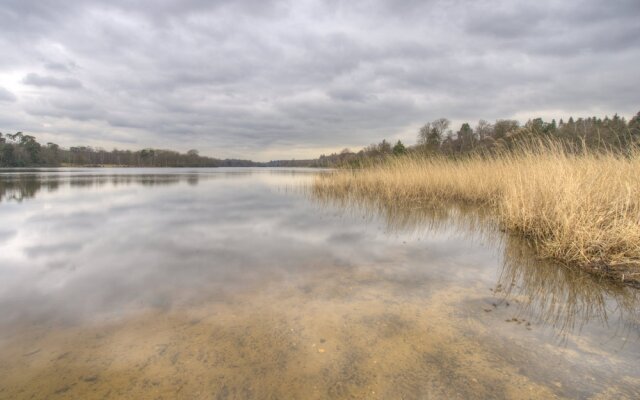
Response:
column 577, row 208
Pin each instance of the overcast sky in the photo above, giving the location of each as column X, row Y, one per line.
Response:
column 269, row 79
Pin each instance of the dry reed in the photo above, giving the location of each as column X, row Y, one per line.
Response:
column 580, row 208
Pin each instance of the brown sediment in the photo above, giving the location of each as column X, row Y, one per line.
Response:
column 333, row 334
column 326, row 340
column 626, row 273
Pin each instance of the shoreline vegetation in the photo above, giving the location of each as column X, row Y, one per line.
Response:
column 576, row 200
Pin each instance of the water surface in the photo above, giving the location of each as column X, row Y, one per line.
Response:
column 237, row 283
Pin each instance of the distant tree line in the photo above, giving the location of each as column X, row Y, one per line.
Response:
column 20, row 150
column 436, row 138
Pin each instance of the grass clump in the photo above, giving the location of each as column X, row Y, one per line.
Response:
column 577, row 207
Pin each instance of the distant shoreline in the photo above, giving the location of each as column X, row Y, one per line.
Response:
column 98, row 166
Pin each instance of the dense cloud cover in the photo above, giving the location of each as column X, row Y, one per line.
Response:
column 280, row 79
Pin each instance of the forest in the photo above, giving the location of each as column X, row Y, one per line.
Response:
column 436, row 138
column 21, row 150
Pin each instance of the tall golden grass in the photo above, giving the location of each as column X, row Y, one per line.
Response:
column 576, row 207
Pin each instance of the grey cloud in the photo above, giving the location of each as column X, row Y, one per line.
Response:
column 47, row 80
column 6, row 95
column 238, row 77
column 507, row 22
column 349, row 94
column 77, row 109
column 60, row 66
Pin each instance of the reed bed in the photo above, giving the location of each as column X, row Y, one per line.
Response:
column 577, row 207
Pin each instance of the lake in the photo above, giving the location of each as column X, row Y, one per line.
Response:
column 240, row 283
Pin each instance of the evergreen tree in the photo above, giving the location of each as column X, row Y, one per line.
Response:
column 399, row 149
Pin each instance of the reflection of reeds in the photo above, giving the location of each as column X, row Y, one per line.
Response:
column 469, row 220
column 563, row 297
column 557, row 295
column 581, row 209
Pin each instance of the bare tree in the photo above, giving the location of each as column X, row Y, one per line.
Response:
column 423, row 133
column 483, row 129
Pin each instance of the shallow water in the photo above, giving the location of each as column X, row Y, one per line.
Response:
column 237, row 283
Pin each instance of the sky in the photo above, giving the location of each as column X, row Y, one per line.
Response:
column 280, row 79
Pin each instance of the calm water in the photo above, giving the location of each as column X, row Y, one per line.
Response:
column 237, row 283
